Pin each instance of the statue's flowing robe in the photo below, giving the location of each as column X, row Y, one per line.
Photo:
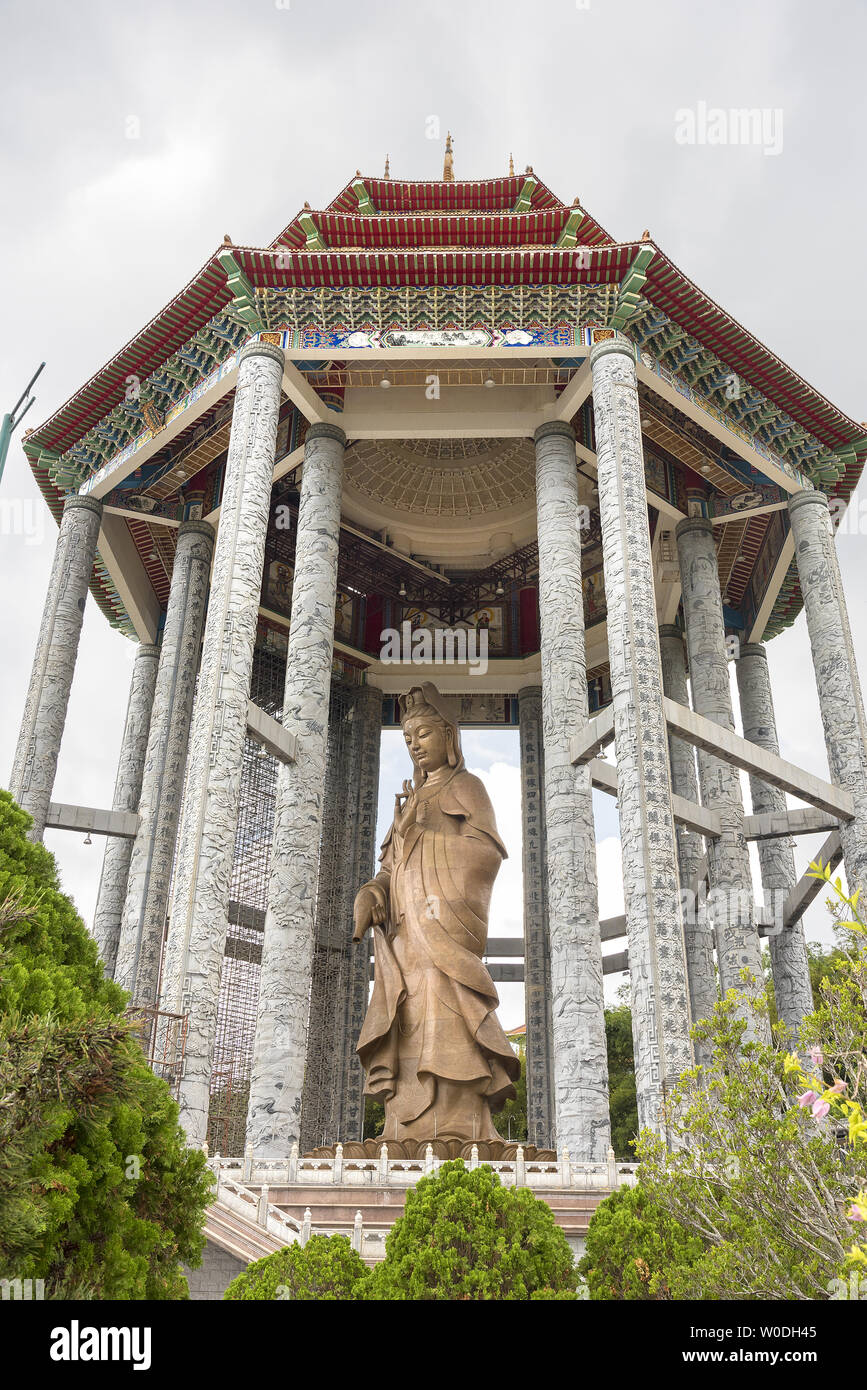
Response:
column 432, row 1046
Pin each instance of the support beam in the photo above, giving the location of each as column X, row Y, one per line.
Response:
column 802, row 820
column 269, row 733
column 739, row 752
column 807, row 889
column 596, row 734
column 87, row 820
column 689, row 813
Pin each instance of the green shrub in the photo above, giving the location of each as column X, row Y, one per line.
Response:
column 635, row 1250
column 465, row 1236
column 326, row 1268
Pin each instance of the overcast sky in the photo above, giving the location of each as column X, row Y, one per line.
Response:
column 134, row 136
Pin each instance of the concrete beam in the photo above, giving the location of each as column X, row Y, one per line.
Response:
column 597, row 732
column 573, row 396
column 688, row 813
column 508, row 973
column 803, row 820
column 269, row 732
column 61, row 816
column 742, row 753
column 807, row 889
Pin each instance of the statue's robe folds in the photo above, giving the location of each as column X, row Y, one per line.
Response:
column 432, row 1046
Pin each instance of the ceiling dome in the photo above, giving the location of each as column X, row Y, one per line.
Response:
column 443, row 477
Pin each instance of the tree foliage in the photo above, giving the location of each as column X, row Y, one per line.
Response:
column 635, row 1249
column 511, row 1122
column 99, row 1195
column 622, row 1099
column 465, row 1236
column 762, row 1170
column 326, row 1268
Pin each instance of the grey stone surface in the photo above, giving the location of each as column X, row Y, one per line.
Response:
column 277, row 1079
column 368, row 734
column 837, row 680
column 38, row 748
column 731, row 900
column 651, row 887
column 150, row 869
column 334, row 954
column 214, row 1275
column 577, row 1003
column 698, row 938
column 127, row 791
column 209, row 813
column 537, row 955
column 789, row 962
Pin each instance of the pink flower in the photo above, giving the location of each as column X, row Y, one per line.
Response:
column 837, row 1089
column 807, row 1098
column 816, row 1056
column 820, row 1109
column 856, row 1214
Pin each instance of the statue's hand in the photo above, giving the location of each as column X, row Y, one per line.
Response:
column 370, row 909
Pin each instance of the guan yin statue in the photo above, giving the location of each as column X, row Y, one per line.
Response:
column 432, row 1047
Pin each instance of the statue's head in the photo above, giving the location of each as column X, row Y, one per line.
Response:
column 431, row 733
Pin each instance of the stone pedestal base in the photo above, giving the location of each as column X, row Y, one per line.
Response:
column 489, row 1150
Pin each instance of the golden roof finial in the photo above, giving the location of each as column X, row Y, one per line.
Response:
column 386, row 175
column 448, row 162
column 511, row 167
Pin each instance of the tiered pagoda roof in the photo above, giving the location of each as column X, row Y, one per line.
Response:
column 381, row 237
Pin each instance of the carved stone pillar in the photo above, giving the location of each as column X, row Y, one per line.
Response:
column 537, row 961
column 150, row 870
column 580, row 1058
column 279, row 1051
column 127, row 792
column 368, row 734
column 209, row 814
column 38, row 749
column 789, row 962
column 333, row 952
column 651, row 887
column 698, row 937
column 728, row 860
column 836, row 670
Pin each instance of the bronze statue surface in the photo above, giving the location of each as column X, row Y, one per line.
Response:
column 432, row 1046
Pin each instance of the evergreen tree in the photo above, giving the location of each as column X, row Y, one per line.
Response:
column 465, row 1236
column 325, row 1269
column 99, row 1195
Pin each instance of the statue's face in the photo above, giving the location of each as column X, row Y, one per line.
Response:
column 428, row 740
